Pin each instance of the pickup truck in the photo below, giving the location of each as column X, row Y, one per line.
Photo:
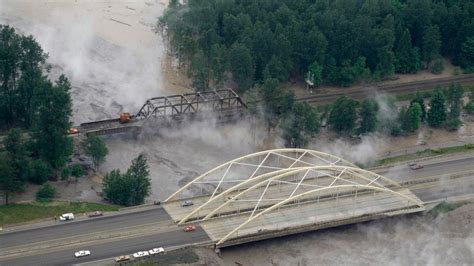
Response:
column 66, row 217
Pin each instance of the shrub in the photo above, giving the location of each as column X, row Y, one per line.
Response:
column 46, row 192
column 469, row 107
column 437, row 66
column 40, row 172
column 453, row 124
column 65, row 173
column 77, row 170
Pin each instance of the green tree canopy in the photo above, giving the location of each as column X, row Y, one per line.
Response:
column 22, row 60
column 412, row 117
column 130, row 188
column 95, row 148
column 431, row 44
column 49, row 136
column 368, row 115
column 249, row 40
column 46, row 192
column 343, row 114
column 301, row 123
column 437, row 112
column 421, row 102
column 9, row 181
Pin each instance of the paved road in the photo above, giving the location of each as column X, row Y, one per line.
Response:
column 173, row 237
column 112, row 249
column 94, row 225
column 431, row 169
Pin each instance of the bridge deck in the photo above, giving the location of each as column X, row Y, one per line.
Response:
column 311, row 213
column 274, row 191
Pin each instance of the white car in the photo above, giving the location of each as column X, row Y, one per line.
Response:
column 156, row 251
column 140, row 254
column 82, row 253
column 66, row 217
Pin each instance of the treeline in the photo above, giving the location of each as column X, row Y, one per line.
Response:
column 337, row 42
column 299, row 121
column 34, row 111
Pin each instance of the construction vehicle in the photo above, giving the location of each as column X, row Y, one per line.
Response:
column 125, row 117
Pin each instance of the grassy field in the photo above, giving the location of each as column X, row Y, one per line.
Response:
column 445, row 207
column 21, row 213
column 425, row 153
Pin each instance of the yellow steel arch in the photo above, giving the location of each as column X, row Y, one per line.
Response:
column 357, row 172
column 416, row 202
column 267, row 152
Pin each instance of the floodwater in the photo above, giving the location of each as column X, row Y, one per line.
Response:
column 115, row 61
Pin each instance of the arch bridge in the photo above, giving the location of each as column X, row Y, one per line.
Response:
column 285, row 191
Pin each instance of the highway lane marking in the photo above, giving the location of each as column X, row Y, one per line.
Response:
column 78, row 245
column 120, row 232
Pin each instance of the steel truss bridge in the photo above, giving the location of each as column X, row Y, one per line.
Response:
column 224, row 103
column 285, row 191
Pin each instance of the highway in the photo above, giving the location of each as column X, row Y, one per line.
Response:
column 106, row 249
column 141, row 230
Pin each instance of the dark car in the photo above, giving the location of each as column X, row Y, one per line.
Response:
column 95, row 214
column 415, row 166
column 187, row 203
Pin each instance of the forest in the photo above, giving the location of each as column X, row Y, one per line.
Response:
column 338, row 42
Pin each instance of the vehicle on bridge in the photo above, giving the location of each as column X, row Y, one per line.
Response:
column 66, row 217
column 82, row 253
column 72, row 131
column 189, row 228
column 187, row 203
column 122, row 258
column 125, row 117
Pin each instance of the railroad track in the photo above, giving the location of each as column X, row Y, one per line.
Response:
column 114, row 126
column 389, row 89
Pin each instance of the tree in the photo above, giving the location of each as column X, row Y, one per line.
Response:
column 9, row 181
column 116, row 188
column 16, row 149
column 407, row 58
column 77, row 170
column 241, row 65
column 46, row 192
column 421, row 102
column 301, row 122
column 411, row 119
column 49, row 136
column 437, row 112
column 343, row 114
column 21, row 60
column 438, row 66
column 431, row 44
column 467, row 54
column 315, row 74
column 368, row 115
column 10, row 56
column 39, row 172
column 130, row 188
column 95, row 148
column 454, row 96
column 199, row 71
column 139, row 174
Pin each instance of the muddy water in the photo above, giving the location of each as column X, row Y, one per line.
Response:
column 106, row 48
column 115, row 62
